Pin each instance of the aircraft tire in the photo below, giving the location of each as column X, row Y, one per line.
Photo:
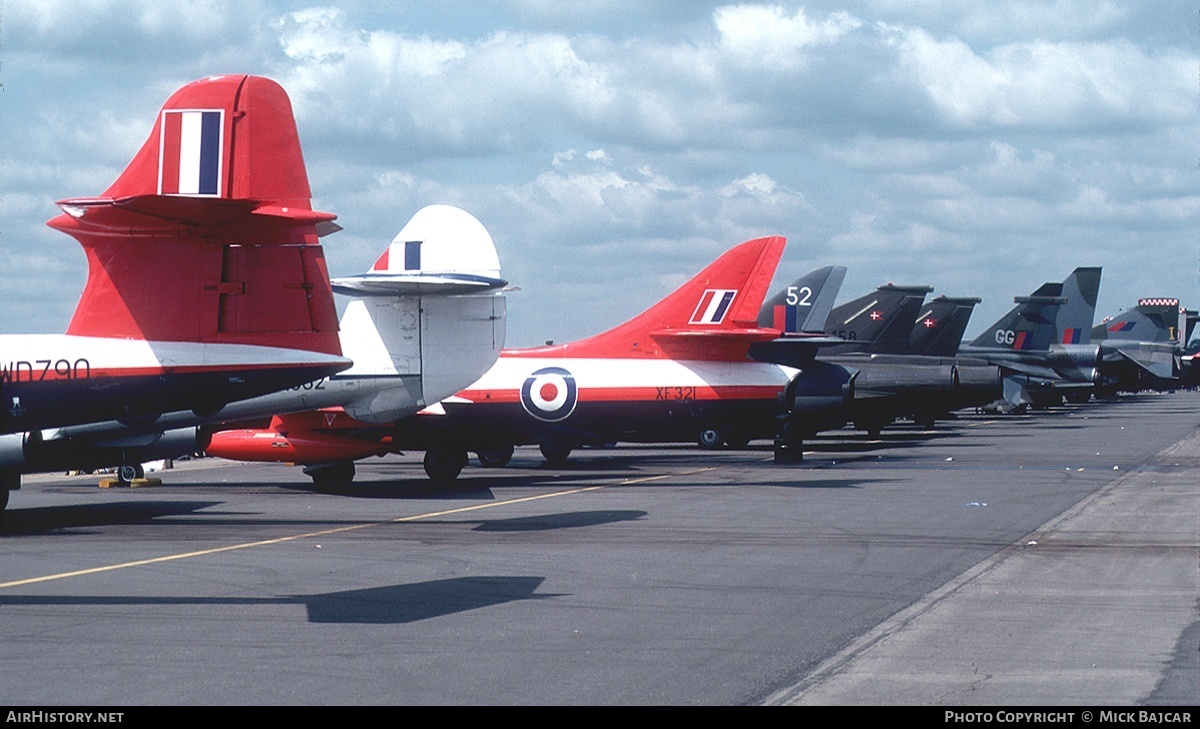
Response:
column 710, row 438
column 333, row 476
column 788, row 451
column 495, row 457
column 442, row 465
column 737, row 440
column 555, row 452
column 9, row 481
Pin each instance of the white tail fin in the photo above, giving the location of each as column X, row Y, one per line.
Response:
column 431, row 306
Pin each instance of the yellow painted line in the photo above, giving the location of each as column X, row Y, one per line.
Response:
column 344, row 529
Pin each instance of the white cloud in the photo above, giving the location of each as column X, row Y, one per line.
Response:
column 1042, row 84
column 975, row 147
column 771, row 37
column 755, row 183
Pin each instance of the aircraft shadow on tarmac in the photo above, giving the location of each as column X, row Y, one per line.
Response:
column 392, row 604
column 393, row 483
column 565, row 520
column 821, row 483
column 46, row 519
column 482, row 483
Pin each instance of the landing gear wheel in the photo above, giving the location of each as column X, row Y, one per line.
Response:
column 332, row 476
column 737, row 440
column 9, row 481
column 443, row 465
column 495, row 457
column 555, row 452
column 127, row 473
column 788, row 451
column 710, row 438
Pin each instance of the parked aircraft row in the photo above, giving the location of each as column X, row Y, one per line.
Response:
column 712, row 363
column 208, row 323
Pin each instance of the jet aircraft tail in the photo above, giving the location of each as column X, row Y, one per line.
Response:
column 939, row 329
column 881, row 321
column 1027, row 326
column 804, row 306
column 209, row 235
column 1152, row 320
column 1057, row 313
column 427, row 320
column 800, row 312
column 714, row 316
column 1148, row 337
column 428, row 307
column 1074, row 322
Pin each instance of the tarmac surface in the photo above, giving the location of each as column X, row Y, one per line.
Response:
column 1049, row 559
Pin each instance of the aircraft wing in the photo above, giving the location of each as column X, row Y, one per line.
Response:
column 1030, row 369
column 1157, row 360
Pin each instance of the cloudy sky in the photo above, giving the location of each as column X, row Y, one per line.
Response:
column 613, row 149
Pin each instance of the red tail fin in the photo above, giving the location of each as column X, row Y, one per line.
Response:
column 209, row 234
column 714, row 316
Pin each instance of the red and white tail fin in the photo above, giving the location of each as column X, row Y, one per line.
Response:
column 209, row 234
column 714, row 316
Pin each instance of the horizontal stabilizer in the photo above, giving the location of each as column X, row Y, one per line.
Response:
column 150, row 213
column 1158, row 360
column 386, row 284
column 1040, row 300
column 793, row 350
column 749, row 335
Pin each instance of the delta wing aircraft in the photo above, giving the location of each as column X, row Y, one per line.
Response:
column 207, row 289
column 671, row 374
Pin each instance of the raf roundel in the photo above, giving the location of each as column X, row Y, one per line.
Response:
column 549, row 394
